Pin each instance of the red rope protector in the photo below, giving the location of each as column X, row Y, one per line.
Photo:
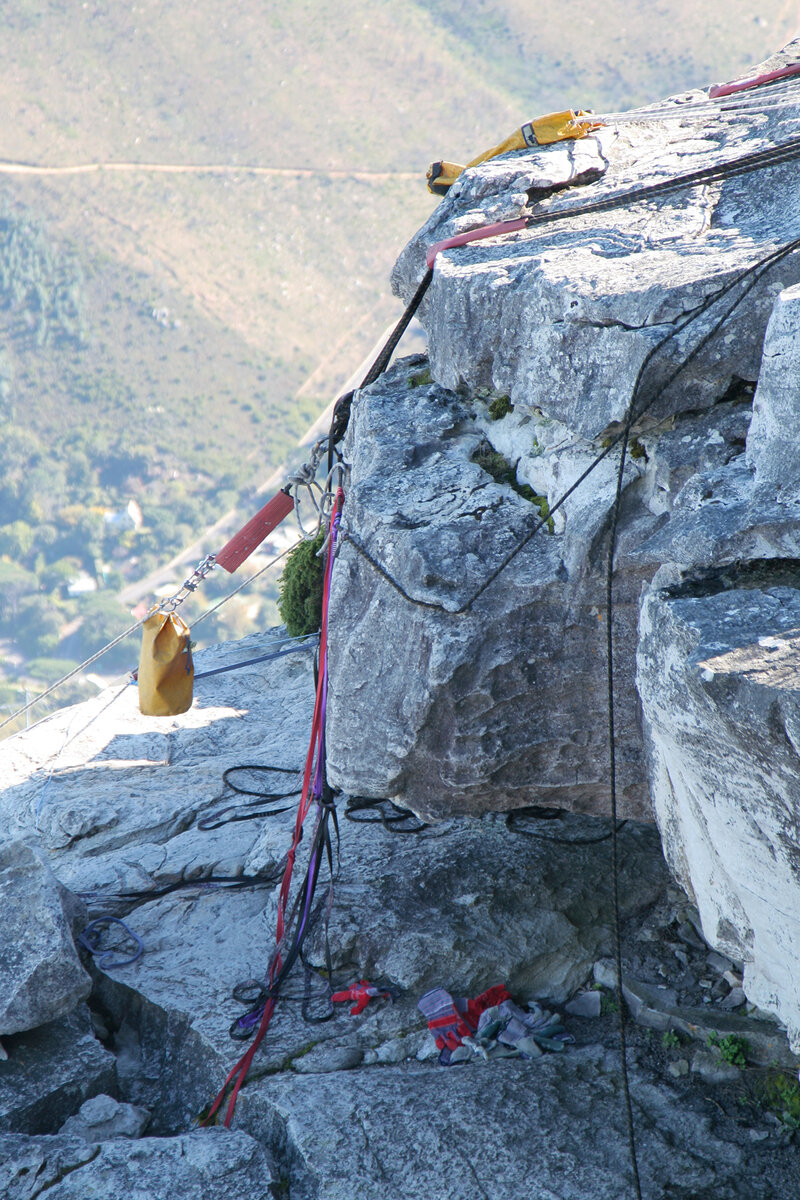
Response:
column 741, row 85
column 243, row 543
column 240, row 1069
column 475, row 235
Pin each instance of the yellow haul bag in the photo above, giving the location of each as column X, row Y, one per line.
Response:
column 166, row 670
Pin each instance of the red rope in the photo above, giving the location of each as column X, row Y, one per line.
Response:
column 240, row 1069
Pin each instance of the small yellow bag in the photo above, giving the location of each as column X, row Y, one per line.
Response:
column 166, row 670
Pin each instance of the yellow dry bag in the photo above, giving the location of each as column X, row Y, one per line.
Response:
column 166, row 670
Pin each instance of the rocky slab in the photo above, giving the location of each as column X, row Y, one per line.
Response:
column 510, row 1131
column 203, row 1165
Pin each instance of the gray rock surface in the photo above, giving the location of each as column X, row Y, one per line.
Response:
column 719, row 676
column 774, row 434
column 41, row 977
column 50, row 1072
column 502, row 704
column 510, row 1131
column 561, row 317
column 203, row 1165
column 103, row 1118
column 485, row 693
column 466, row 903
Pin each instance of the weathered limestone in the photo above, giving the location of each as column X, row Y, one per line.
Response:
column 41, row 977
column 719, row 678
column 503, row 704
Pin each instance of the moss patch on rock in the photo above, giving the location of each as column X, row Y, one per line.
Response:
column 501, row 471
column 300, row 589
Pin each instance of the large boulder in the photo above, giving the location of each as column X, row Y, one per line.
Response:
column 719, row 679
column 494, row 693
column 562, row 316
column 719, row 676
column 41, row 976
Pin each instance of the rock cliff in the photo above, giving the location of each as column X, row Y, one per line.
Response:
column 467, row 681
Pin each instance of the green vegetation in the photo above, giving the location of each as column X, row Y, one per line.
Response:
column 300, row 591
column 500, row 407
column 780, row 1094
column 502, row 471
column 420, row 378
column 732, row 1048
column 670, row 1040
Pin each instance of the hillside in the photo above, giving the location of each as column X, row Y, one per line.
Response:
column 168, row 334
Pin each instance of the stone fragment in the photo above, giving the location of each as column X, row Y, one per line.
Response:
column 587, row 1004
column 734, row 999
column 713, row 1069
column 649, row 1005
column 688, row 935
column 103, row 1118
column 207, row 1164
column 50, row 1072
column 41, row 977
column 678, row 1068
column 604, row 973
column 719, row 963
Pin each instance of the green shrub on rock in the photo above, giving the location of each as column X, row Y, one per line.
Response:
column 300, row 589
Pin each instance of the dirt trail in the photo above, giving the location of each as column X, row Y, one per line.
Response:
column 15, row 168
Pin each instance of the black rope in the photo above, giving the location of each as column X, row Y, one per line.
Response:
column 394, row 821
column 621, row 1008
column 518, row 815
column 748, row 277
column 207, row 882
column 341, row 409
column 251, row 662
column 758, row 160
column 302, row 919
column 244, row 812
